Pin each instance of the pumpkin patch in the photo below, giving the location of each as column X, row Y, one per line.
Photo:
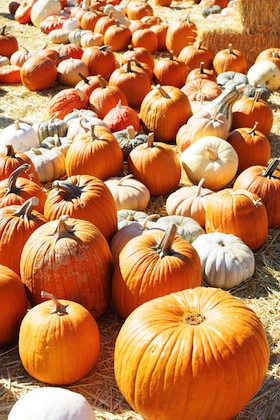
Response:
column 120, row 211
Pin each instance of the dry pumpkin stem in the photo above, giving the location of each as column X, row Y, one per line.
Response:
column 71, row 191
column 11, row 187
column 249, row 195
column 164, row 247
column 62, row 230
column 271, row 168
column 26, row 208
column 59, row 308
column 194, row 318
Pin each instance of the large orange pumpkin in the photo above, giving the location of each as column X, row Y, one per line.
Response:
column 38, row 73
column 59, row 343
column 71, row 259
column 13, row 304
column 195, row 354
column 152, row 265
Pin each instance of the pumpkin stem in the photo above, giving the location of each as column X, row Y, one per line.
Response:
column 268, row 173
column 71, row 191
column 130, row 130
column 201, row 68
column 16, row 125
column 128, row 66
column 162, row 91
column 257, row 95
column 212, row 154
column 164, row 247
column 150, row 217
column 25, row 210
column 59, row 308
column 150, row 140
column 11, row 187
column 198, row 192
column 84, row 78
column 124, row 178
column 249, row 195
column 10, row 150
column 194, row 318
column 101, row 81
column 252, row 131
column 62, row 230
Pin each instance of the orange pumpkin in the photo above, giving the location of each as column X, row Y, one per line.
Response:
column 170, row 71
column 8, row 43
column 85, row 197
column 230, row 59
column 156, row 165
column 65, row 256
column 117, row 36
column 153, row 265
column 201, row 90
column 100, row 60
column 192, row 55
column 146, row 38
column 176, row 348
column 10, row 74
column 95, row 152
column 240, row 213
column 65, row 101
column 13, row 304
column 59, row 343
column 122, row 116
column 265, row 182
column 38, row 73
column 180, row 33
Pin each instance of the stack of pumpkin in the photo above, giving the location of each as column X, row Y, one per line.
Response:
column 86, row 237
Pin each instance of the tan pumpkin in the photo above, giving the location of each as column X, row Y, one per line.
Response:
column 49, row 163
column 69, row 70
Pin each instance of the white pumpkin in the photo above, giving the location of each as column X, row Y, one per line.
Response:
column 125, row 217
column 49, row 163
column 42, row 9
column 20, row 135
column 211, row 158
column 264, row 73
column 226, row 260
column 52, row 403
column 128, row 193
column 187, row 227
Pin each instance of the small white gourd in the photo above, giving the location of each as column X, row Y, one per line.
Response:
column 264, row 73
column 226, row 260
column 20, row 135
column 52, row 403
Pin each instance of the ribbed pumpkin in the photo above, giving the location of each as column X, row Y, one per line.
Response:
column 156, row 165
column 17, row 223
column 95, row 153
column 65, row 101
column 180, row 33
column 59, row 343
column 153, row 265
column 84, row 197
column 164, row 110
column 240, row 213
column 192, row 55
column 13, row 304
column 230, row 59
column 16, row 189
column 65, row 256
column 100, row 60
column 38, row 73
column 121, row 116
column 252, row 146
column 11, row 160
column 170, row 71
column 198, row 342
column 265, row 182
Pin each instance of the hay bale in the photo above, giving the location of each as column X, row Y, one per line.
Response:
column 259, row 17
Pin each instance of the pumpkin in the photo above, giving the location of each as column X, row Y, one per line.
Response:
column 10, row 74
column 187, row 227
column 180, row 33
column 49, row 163
column 133, row 81
column 38, row 73
column 170, row 71
column 230, row 59
column 246, row 111
column 52, row 402
column 16, row 189
column 85, row 197
column 201, row 89
column 192, row 55
column 103, row 23
column 89, row 39
column 211, row 158
column 201, row 73
column 52, row 22
column 58, row 36
column 226, row 260
column 95, row 152
column 118, row 36
column 121, row 116
column 230, row 78
column 128, row 193
column 156, row 165
column 20, row 135
column 59, row 343
column 137, row 9
column 265, row 182
column 10, row 160
column 269, row 54
column 8, row 42
column 189, row 201
column 65, row 101
column 146, row 38
column 54, row 126
column 89, row 18
column 128, row 139
column 17, row 222
column 266, row 73
column 173, row 363
column 141, row 54
column 69, row 70
column 160, row 29
column 105, row 97
column 43, row 8
column 55, row 142
column 240, row 213
column 252, row 146
column 127, row 216
column 250, row 91
column 70, row 50
column 13, row 305
column 148, row 267
column 77, row 275
column 163, row 111
column 100, row 60
column 88, row 84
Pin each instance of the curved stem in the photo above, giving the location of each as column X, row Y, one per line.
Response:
column 10, row 150
column 59, row 308
column 249, row 195
column 71, row 190
column 268, row 173
column 124, row 178
column 212, row 154
column 148, row 219
column 164, row 247
column 162, row 91
column 11, row 187
column 252, row 131
column 198, row 192
column 26, row 208
column 62, row 230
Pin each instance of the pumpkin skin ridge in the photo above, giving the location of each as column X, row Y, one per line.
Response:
column 140, row 330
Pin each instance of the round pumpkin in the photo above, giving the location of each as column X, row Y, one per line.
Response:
column 59, row 343
column 38, row 73
column 163, row 353
column 13, row 304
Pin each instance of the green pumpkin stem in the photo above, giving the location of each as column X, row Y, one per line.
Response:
column 59, row 308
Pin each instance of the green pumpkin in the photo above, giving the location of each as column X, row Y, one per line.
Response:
column 128, row 139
